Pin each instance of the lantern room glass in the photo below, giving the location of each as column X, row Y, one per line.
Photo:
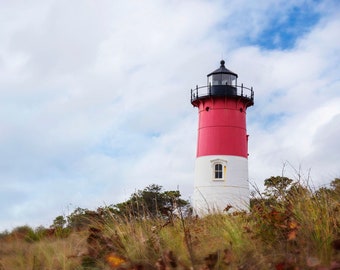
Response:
column 222, row 79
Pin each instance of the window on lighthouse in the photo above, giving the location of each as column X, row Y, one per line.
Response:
column 215, row 79
column 218, row 171
column 228, row 79
column 222, row 79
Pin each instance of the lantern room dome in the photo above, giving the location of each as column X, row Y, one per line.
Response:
column 222, row 70
column 222, row 76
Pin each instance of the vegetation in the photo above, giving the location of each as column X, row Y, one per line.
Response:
column 151, row 203
column 289, row 226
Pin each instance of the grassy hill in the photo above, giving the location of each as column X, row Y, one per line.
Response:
column 289, row 226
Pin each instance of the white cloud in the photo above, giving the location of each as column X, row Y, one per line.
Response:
column 302, row 89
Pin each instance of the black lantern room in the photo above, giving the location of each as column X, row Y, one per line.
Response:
column 222, row 83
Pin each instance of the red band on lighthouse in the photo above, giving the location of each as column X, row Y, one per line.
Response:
column 222, row 128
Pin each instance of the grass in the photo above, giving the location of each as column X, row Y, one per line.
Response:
column 297, row 232
column 291, row 234
column 17, row 253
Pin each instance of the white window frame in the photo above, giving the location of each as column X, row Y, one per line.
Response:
column 213, row 170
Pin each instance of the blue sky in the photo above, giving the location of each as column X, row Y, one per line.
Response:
column 95, row 96
column 282, row 33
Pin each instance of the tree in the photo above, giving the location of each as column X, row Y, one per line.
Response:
column 24, row 232
column 78, row 219
column 151, row 202
column 279, row 190
column 333, row 191
column 335, row 185
column 277, row 187
column 81, row 218
column 59, row 228
column 59, row 222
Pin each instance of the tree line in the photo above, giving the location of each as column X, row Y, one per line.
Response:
column 154, row 202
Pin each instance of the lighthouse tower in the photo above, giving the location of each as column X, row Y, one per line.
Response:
column 221, row 168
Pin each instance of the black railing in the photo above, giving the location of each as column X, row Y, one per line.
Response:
column 222, row 91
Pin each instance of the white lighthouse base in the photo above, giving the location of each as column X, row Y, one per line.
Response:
column 215, row 190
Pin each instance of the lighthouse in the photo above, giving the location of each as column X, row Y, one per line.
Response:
column 221, row 167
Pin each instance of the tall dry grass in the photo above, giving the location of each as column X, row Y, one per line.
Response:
column 300, row 231
column 295, row 233
column 216, row 241
column 54, row 253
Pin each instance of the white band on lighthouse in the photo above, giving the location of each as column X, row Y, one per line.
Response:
column 215, row 190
